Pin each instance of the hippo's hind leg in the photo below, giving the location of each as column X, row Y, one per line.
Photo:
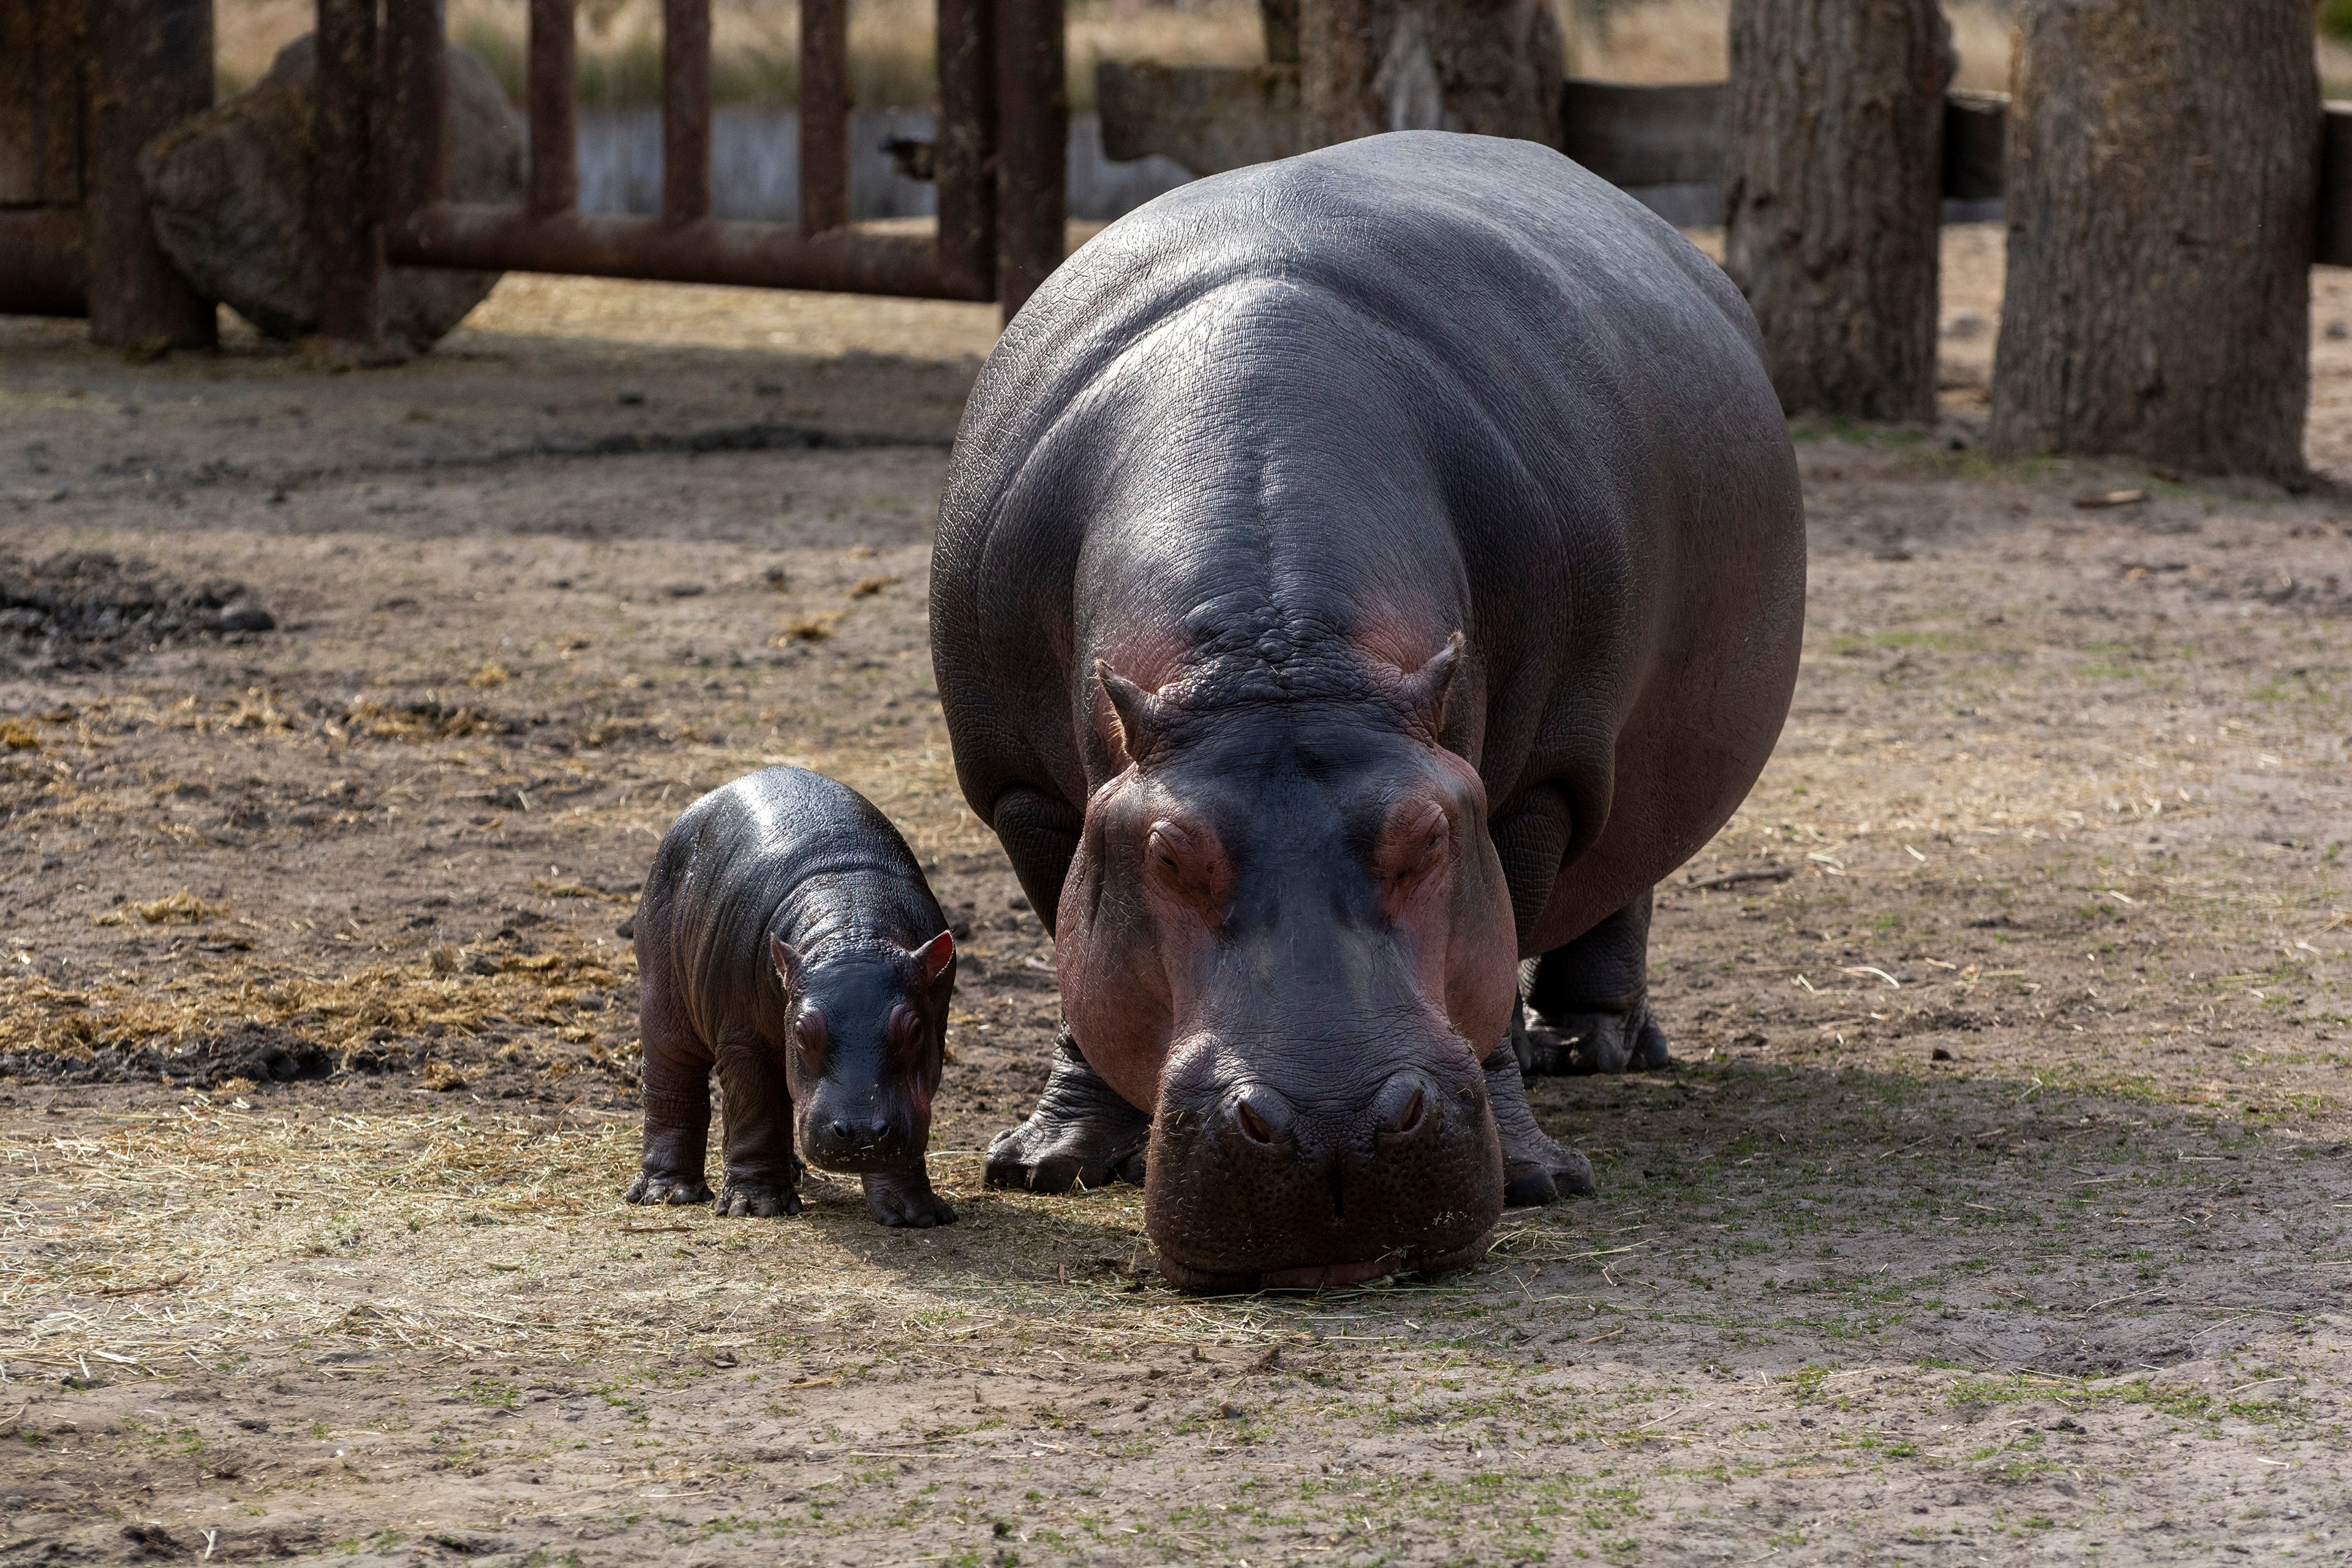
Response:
column 678, row 1105
column 1591, row 1000
column 1534, row 1169
column 764, row 1174
column 1082, row 1132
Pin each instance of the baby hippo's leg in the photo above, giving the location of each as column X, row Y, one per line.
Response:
column 763, row 1176
column 905, row 1198
column 677, row 1106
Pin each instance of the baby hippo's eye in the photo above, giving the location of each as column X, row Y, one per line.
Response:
column 906, row 1030
column 1415, row 844
column 809, row 1031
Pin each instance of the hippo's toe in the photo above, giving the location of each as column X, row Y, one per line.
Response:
column 1536, row 1170
column 664, row 1187
column 1606, row 1040
column 907, row 1200
column 1081, row 1134
column 747, row 1198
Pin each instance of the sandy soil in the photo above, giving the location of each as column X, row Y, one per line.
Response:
column 1996, row 1212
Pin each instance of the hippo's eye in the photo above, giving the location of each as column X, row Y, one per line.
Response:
column 1190, row 863
column 809, row 1031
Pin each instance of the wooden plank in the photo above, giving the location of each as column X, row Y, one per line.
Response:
column 1638, row 134
column 2335, row 238
column 40, row 103
column 1973, row 129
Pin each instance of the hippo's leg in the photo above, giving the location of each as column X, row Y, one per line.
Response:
column 677, row 1076
column 1534, row 1169
column 1591, row 1000
column 763, row 1174
column 1082, row 1132
column 905, row 1198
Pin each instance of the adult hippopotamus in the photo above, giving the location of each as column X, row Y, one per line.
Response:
column 1356, row 574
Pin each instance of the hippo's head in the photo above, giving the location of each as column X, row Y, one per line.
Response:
column 1286, row 929
column 868, row 1038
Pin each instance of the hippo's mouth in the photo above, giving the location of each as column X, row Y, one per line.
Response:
column 1319, row 1276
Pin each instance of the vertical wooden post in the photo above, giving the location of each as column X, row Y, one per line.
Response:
column 1033, row 128
column 825, row 115
column 151, row 65
column 347, row 208
column 553, row 66
column 417, row 78
column 963, row 144
column 686, row 109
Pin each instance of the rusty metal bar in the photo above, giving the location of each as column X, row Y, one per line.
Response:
column 963, row 146
column 44, row 261
column 686, row 109
column 350, row 230
column 151, row 65
column 1032, row 128
column 417, row 75
column 706, row 250
column 825, row 115
column 554, row 121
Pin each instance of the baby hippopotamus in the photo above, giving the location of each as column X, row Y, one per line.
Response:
column 787, row 937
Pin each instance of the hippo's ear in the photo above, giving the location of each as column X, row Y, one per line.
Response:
column 1428, row 692
column 937, row 958
column 1137, row 711
column 787, row 962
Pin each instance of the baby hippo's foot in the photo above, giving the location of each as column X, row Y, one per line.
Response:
column 1534, row 1169
column 1601, row 1039
column 905, row 1198
column 758, row 1197
column 1081, row 1134
column 677, row 1187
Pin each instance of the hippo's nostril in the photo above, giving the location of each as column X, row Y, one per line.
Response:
column 1252, row 1124
column 878, row 1132
column 1402, row 1107
column 841, row 1131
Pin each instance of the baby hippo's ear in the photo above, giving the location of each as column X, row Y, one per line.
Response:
column 787, row 962
column 937, row 959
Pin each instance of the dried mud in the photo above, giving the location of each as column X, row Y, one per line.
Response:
column 1995, row 1211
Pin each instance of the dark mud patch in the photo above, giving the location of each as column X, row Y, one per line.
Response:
column 89, row 609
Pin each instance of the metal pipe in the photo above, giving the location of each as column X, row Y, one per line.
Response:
column 963, row 147
column 686, row 109
column 706, row 250
column 417, row 76
column 554, row 120
column 151, row 65
column 1033, row 128
column 825, row 115
column 44, row 261
column 350, row 233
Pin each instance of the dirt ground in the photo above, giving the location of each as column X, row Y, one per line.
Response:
column 1996, row 1210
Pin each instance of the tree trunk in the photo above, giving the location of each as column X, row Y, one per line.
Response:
column 2162, row 182
column 1833, row 193
column 1493, row 67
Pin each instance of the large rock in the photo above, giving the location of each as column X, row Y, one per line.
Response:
column 229, row 193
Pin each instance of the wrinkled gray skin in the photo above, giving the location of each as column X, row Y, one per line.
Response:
column 787, row 938
column 1357, row 574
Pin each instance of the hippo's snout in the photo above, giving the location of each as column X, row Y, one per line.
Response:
column 854, row 1134
column 1254, row 1184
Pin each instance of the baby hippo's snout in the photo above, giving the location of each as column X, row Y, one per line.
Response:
column 854, row 1133
column 1254, row 1183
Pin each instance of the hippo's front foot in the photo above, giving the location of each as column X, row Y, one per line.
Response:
column 1606, row 1039
column 1081, row 1134
column 904, row 1198
column 1534, row 1169
column 676, row 1188
column 758, row 1197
